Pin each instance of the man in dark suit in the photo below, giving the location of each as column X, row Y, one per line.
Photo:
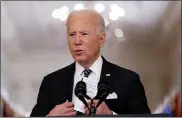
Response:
column 86, row 35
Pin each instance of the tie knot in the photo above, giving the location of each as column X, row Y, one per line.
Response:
column 87, row 72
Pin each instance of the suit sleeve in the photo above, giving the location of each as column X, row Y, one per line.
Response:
column 137, row 101
column 42, row 106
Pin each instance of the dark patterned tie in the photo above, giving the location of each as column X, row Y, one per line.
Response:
column 87, row 72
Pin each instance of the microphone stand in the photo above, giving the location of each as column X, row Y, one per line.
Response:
column 92, row 108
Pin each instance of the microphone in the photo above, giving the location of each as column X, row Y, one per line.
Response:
column 80, row 91
column 103, row 92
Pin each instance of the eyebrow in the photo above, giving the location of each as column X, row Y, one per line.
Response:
column 72, row 32
column 81, row 31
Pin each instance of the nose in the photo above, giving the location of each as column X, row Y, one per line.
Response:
column 78, row 40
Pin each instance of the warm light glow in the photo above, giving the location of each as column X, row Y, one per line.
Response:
column 120, row 11
column 106, row 22
column 115, row 7
column 99, row 8
column 78, row 7
column 61, row 13
column 55, row 13
column 118, row 33
column 113, row 15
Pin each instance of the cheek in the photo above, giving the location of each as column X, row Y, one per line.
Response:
column 70, row 44
column 92, row 48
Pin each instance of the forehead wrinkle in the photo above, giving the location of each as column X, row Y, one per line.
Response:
column 89, row 27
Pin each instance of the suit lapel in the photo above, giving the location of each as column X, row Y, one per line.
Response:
column 70, row 81
column 106, row 74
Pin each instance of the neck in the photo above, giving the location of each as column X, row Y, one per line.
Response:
column 90, row 63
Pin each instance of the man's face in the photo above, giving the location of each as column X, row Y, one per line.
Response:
column 84, row 37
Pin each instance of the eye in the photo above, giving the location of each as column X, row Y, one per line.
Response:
column 84, row 33
column 72, row 34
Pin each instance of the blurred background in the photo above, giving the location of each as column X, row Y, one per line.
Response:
column 144, row 36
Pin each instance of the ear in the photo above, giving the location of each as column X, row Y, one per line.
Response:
column 102, row 39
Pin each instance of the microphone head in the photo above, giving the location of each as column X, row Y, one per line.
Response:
column 103, row 91
column 80, row 89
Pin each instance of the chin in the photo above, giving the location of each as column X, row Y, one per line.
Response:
column 80, row 59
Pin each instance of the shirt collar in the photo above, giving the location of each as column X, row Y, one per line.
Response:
column 95, row 67
column 79, row 69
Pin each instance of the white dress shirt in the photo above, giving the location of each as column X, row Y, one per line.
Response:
column 91, row 81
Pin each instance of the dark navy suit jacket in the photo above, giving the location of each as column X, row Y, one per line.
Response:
column 57, row 87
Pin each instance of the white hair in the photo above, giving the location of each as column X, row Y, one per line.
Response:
column 101, row 19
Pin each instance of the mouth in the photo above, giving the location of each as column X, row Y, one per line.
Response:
column 77, row 52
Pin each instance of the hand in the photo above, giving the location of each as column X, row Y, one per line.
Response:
column 101, row 110
column 65, row 109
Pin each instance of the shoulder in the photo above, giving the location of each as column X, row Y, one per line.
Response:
column 121, row 70
column 58, row 73
column 124, row 76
